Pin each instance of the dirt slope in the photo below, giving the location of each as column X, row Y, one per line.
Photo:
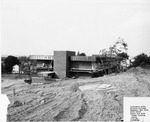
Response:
column 65, row 101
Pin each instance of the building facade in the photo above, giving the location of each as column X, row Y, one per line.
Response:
column 41, row 62
column 67, row 64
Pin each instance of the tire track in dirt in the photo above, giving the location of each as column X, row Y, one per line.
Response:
column 65, row 108
column 61, row 114
column 82, row 110
column 24, row 113
column 30, row 110
column 62, row 106
column 142, row 81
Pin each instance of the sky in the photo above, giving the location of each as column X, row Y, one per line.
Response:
column 38, row 27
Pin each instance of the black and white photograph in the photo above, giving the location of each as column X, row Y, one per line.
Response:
column 75, row 60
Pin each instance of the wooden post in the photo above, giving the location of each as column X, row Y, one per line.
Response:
column 13, row 96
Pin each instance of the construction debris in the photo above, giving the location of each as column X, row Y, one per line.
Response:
column 17, row 104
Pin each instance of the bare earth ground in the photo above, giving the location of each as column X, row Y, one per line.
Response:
column 71, row 100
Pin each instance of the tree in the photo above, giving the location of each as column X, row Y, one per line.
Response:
column 2, row 68
column 123, row 55
column 82, row 54
column 119, row 48
column 24, row 64
column 9, row 62
column 141, row 59
column 23, row 59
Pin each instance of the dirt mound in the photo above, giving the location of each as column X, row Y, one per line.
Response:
column 133, row 69
column 146, row 66
column 136, row 69
column 91, row 99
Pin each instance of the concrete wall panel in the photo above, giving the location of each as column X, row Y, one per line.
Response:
column 62, row 63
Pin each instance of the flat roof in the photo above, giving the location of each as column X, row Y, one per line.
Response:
column 41, row 57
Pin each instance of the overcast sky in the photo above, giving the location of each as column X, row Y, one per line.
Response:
column 42, row 26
